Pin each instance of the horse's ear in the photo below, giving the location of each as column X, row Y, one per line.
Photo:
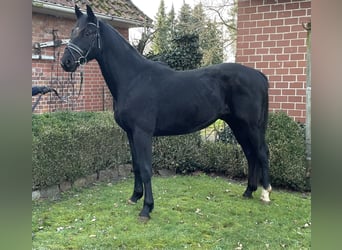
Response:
column 90, row 14
column 78, row 12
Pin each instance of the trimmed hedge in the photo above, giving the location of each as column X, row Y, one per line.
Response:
column 286, row 142
column 69, row 145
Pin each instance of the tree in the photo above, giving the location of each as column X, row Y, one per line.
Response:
column 191, row 40
column 225, row 11
column 181, row 49
column 198, row 18
column 211, row 44
column 184, row 23
column 185, row 53
column 210, row 37
column 160, row 40
column 171, row 21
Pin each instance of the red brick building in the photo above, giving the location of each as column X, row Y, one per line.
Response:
column 52, row 21
column 272, row 39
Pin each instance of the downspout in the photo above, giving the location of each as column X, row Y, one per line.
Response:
column 307, row 27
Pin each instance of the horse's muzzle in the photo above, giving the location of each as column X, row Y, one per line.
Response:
column 68, row 65
column 68, row 62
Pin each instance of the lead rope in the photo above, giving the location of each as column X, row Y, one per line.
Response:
column 81, row 83
column 36, row 103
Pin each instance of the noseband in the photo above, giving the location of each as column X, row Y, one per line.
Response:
column 83, row 55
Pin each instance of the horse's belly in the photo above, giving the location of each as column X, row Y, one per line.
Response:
column 184, row 122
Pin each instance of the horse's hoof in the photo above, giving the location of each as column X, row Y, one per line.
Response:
column 130, row 202
column 247, row 196
column 144, row 219
column 265, row 202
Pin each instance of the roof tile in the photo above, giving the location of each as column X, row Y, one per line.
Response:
column 116, row 8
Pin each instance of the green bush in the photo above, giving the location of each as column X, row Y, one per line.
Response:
column 185, row 154
column 69, row 145
column 286, row 142
column 178, row 153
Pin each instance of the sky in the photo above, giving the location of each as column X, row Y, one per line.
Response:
column 150, row 7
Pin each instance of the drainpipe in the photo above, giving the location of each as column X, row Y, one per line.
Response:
column 307, row 27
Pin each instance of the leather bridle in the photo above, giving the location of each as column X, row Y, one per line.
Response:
column 83, row 55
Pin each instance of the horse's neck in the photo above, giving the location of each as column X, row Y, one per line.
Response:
column 119, row 62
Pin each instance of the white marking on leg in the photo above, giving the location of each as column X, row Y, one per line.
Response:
column 265, row 194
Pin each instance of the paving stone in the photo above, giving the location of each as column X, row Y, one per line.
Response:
column 36, row 195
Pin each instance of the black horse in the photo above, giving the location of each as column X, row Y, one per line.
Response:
column 151, row 99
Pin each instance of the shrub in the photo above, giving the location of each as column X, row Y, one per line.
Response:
column 178, row 153
column 286, row 141
column 221, row 158
column 69, row 145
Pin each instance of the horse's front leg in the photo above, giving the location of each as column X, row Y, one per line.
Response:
column 138, row 190
column 141, row 146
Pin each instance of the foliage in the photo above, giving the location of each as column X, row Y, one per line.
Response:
column 211, row 44
column 177, row 153
column 286, row 141
column 211, row 39
column 194, row 212
column 161, row 37
column 190, row 41
column 184, row 54
column 225, row 13
column 185, row 21
column 186, row 154
column 69, row 145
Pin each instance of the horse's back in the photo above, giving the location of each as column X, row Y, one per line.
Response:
column 230, row 72
column 191, row 100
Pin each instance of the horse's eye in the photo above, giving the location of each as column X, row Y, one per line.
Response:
column 88, row 32
column 75, row 31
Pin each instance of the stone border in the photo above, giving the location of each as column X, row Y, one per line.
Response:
column 108, row 175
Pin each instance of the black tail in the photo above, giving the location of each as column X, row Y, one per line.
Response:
column 264, row 118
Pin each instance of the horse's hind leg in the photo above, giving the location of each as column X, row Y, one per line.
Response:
column 241, row 132
column 260, row 149
column 263, row 156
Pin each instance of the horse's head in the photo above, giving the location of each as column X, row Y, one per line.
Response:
column 84, row 42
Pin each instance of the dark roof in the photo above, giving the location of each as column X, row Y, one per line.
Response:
column 115, row 10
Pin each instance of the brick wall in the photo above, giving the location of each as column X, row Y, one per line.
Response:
column 94, row 96
column 271, row 38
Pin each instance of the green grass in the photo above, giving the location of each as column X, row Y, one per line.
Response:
column 190, row 212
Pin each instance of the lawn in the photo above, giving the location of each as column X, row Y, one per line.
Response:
column 193, row 212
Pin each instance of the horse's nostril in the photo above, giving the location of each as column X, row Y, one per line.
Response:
column 66, row 63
